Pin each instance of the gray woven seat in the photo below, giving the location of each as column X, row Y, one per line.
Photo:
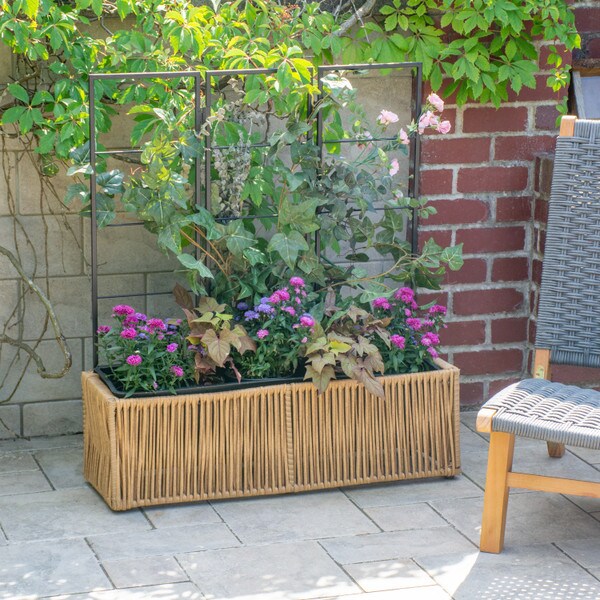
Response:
column 553, row 412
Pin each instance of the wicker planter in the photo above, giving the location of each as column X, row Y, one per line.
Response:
column 268, row 440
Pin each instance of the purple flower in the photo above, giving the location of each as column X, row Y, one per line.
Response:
column 142, row 336
column 192, row 348
column 262, row 333
column 103, row 329
column 306, row 320
column 433, row 352
column 172, row 347
column 130, row 320
column 297, row 282
column 405, row 294
column 155, row 385
column 407, row 312
column 177, row 371
column 414, row 323
column 242, row 306
column 437, row 308
column 141, row 316
column 123, row 310
column 398, row 341
column 134, row 360
column 382, row 303
column 129, row 333
column 153, row 324
column 250, row 315
column 430, row 339
column 290, row 310
column 264, row 308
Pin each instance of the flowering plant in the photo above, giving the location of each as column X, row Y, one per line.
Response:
column 145, row 354
column 281, row 325
column 413, row 332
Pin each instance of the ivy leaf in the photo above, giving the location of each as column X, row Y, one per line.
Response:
column 238, row 237
column 77, row 190
column 192, row 263
column 453, row 257
column 288, row 246
column 111, row 182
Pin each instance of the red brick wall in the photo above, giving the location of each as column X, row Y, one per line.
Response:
column 489, row 191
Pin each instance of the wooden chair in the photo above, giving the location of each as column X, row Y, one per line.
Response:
column 568, row 328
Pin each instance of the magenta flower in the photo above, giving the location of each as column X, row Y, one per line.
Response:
column 130, row 320
column 383, row 303
column 123, row 310
column 297, row 282
column 433, row 352
column 262, row 333
column 398, row 341
column 153, row 324
column 414, row 323
column 129, row 333
column 306, row 320
column 155, row 385
column 405, row 294
column 103, row 329
column 430, row 339
column 438, row 308
column 290, row 310
column 407, row 312
column 134, row 360
column 177, row 371
column 279, row 296
column 172, row 347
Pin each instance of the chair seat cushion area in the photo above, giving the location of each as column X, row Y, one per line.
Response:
column 553, row 412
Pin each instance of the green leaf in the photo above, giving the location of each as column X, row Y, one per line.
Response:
column 111, row 182
column 453, row 257
column 13, row 114
column 238, row 238
column 19, row 92
column 288, row 246
column 192, row 263
column 78, row 191
column 31, row 8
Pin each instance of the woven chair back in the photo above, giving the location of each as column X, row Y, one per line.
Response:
column 569, row 308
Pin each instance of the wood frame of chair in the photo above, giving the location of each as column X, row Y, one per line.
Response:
column 500, row 477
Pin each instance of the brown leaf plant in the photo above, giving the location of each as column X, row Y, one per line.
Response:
column 344, row 346
column 213, row 333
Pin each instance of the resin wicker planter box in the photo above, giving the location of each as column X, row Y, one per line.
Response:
column 268, row 440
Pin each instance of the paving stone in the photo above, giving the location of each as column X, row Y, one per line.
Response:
column 164, row 541
column 41, row 443
column 52, row 418
column 26, row 482
column 277, row 571
column 64, row 513
column 430, row 592
column 412, row 492
column 395, row 545
column 62, row 466
column 287, row 518
column 539, row 572
column 587, row 454
column 152, row 570
column 173, row 591
column 185, row 514
column 585, row 552
column 532, row 518
column 37, row 569
column 17, row 461
column 469, row 418
column 409, row 516
column 388, row 575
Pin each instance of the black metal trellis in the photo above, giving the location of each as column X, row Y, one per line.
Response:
column 200, row 116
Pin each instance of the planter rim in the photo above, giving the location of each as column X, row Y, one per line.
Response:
column 228, row 388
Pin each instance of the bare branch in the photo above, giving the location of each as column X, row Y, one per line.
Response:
column 358, row 15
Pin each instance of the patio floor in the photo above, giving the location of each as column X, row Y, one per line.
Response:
column 406, row 541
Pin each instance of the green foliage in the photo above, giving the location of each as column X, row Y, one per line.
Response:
column 481, row 48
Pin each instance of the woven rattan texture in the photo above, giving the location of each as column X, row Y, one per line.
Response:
column 569, row 318
column 269, row 440
column 553, row 412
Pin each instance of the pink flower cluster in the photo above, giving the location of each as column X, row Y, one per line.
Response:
column 430, row 119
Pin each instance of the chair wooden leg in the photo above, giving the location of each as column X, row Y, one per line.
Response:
column 495, row 500
column 555, row 450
